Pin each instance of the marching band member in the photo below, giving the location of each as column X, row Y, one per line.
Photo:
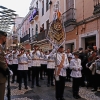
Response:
column 36, row 66
column 45, row 62
column 10, row 60
column 29, row 64
column 15, row 64
column 61, row 65
column 75, row 65
column 50, row 69
column 22, row 68
column 42, row 64
column 6, row 56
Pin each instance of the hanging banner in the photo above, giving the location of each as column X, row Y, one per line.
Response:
column 56, row 33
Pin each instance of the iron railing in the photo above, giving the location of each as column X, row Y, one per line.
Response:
column 25, row 38
column 96, row 7
column 38, row 37
column 69, row 17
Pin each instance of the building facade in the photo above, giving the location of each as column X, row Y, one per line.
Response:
column 42, row 12
column 82, row 22
column 12, row 38
column 23, row 32
column 80, row 19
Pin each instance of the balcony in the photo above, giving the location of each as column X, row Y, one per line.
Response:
column 34, row 15
column 25, row 38
column 32, row 39
column 42, row 35
column 69, row 17
column 96, row 7
column 38, row 37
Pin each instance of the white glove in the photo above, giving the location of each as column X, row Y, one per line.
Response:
column 11, row 73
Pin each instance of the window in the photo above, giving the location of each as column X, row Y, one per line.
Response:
column 42, row 28
column 70, row 4
column 29, row 32
column 42, row 7
column 26, row 32
column 37, row 4
column 47, row 5
column 36, row 29
column 32, row 32
column 47, row 25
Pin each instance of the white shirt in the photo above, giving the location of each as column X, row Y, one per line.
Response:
column 23, row 59
column 15, row 60
column 10, row 59
column 29, row 60
column 50, row 63
column 36, row 61
column 75, row 65
column 65, row 64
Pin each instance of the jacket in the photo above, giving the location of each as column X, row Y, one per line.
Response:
column 3, row 66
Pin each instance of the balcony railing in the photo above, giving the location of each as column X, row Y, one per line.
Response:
column 69, row 17
column 42, row 35
column 25, row 38
column 38, row 37
column 32, row 39
column 34, row 15
column 96, row 7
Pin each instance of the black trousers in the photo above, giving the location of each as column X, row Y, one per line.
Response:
column 10, row 66
column 15, row 73
column 41, row 70
column 75, row 86
column 50, row 73
column 22, row 75
column 29, row 73
column 60, row 86
column 35, row 74
column 96, row 81
column 68, row 72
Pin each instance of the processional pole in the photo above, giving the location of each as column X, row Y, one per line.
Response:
column 56, row 34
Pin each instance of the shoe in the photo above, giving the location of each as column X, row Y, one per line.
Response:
column 78, row 96
column 52, row 85
column 26, row 87
column 48, row 85
column 93, row 90
column 12, row 82
column 19, row 88
column 58, row 99
column 62, row 99
column 32, row 86
column 41, row 78
column 38, row 85
column 98, row 90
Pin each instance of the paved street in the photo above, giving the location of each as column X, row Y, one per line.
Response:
column 48, row 93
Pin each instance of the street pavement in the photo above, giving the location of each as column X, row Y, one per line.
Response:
column 48, row 93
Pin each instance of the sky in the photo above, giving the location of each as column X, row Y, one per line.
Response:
column 20, row 6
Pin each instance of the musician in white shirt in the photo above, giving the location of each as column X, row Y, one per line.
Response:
column 15, row 64
column 50, row 69
column 61, row 65
column 29, row 64
column 42, row 64
column 75, row 66
column 36, row 66
column 22, row 68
